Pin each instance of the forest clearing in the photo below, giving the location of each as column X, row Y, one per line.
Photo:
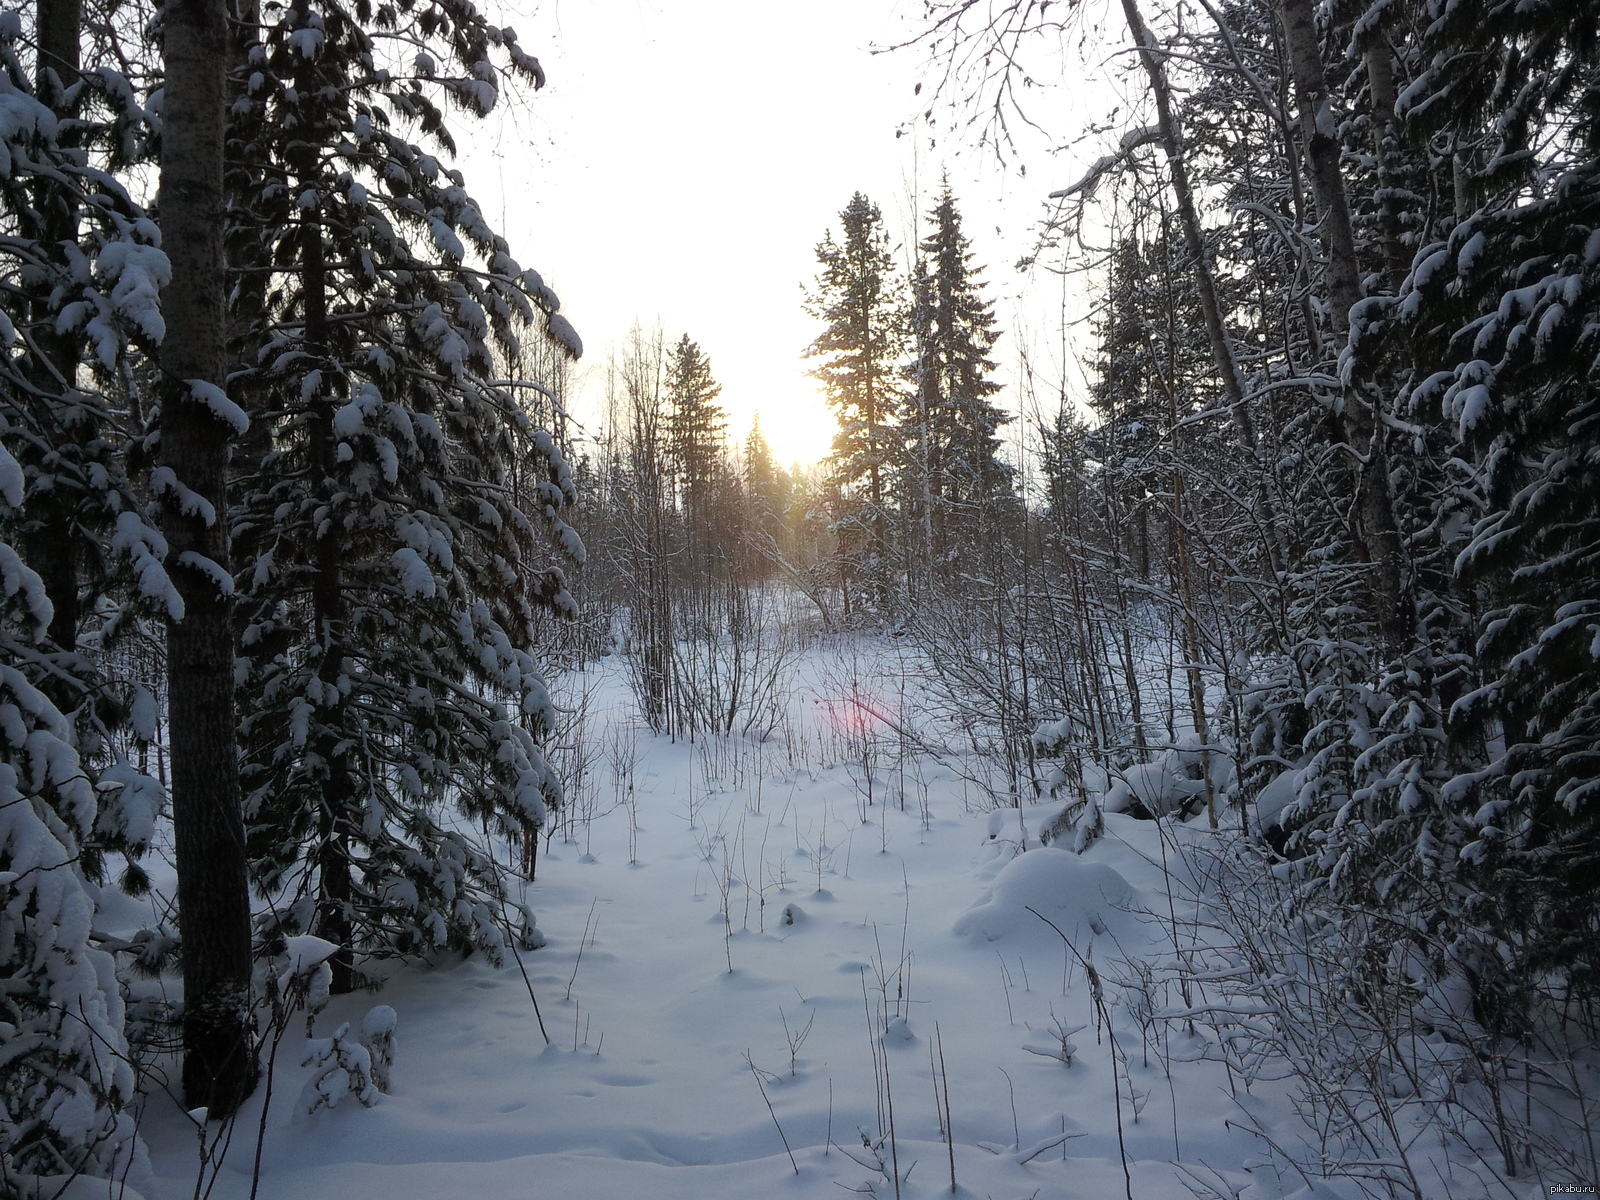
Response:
column 837, row 925
column 1152, row 750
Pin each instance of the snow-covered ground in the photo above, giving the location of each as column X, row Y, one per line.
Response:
column 864, row 954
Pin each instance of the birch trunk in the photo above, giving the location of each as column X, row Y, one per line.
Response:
column 1379, row 62
column 1172, row 143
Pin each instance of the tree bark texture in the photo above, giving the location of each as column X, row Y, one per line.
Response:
column 1378, row 59
column 219, row 1064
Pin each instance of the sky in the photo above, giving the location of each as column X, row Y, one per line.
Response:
column 686, row 157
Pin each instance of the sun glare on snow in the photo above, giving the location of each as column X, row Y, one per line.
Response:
column 853, row 714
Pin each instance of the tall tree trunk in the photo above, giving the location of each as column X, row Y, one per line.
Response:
column 1319, row 133
column 1361, row 425
column 1222, row 350
column 219, row 1063
column 59, row 23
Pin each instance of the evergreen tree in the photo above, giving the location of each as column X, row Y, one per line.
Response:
column 856, row 297
column 1138, row 372
column 391, row 574
column 768, row 488
column 1503, row 309
column 952, row 424
column 696, row 429
column 67, row 794
column 67, row 1076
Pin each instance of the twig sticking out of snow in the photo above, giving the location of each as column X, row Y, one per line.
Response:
column 516, row 953
column 774, row 1112
column 1016, row 1129
column 582, row 943
column 1048, row 1144
column 949, row 1129
column 797, row 1036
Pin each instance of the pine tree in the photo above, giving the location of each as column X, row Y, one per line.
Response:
column 856, row 297
column 395, row 562
column 952, row 424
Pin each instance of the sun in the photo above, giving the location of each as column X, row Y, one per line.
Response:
column 795, row 420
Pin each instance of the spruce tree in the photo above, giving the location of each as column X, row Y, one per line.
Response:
column 400, row 529
column 67, row 1075
column 768, row 488
column 952, row 423
column 696, row 427
column 857, row 298
column 1503, row 309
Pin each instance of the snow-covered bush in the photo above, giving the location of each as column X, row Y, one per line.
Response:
column 343, row 1065
column 1378, row 1024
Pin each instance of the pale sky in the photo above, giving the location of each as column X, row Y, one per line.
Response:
column 687, row 156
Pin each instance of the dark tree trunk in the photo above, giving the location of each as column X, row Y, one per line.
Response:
column 219, row 1063
column 59, row 23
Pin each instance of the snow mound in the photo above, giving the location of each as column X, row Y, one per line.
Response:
column 1079, row 896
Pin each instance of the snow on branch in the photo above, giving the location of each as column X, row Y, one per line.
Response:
column 223, row 409
column 1133, row 140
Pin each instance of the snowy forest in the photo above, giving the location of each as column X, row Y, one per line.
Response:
column 1169, row 747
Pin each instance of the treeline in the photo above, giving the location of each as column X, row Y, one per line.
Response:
column 280, row 518
column 700, row 551
column 684, row 532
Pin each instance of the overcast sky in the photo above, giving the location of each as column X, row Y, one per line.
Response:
column 687, row 156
